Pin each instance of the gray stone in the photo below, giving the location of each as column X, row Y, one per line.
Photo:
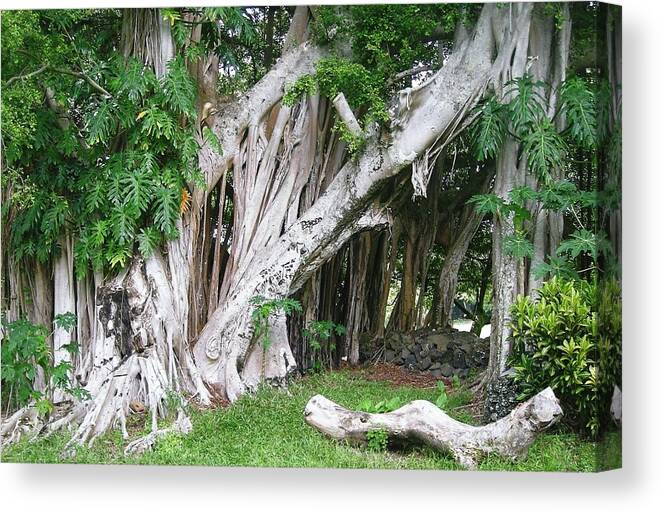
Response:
column 410, row 361
column 390, row 355
column 405, row 353
column 446, row 370
column 435, row 366
column 459, row 358
column 424, row 364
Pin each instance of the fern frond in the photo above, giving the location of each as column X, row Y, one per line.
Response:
column 148, row 240
column 101, row 124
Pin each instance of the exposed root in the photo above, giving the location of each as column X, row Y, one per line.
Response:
column 181, row 425
column 140, row 379
column 24, row 422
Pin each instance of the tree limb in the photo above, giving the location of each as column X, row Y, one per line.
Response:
column 344, row 111
column 27, row 75
column 48, row 67
column 408, row 72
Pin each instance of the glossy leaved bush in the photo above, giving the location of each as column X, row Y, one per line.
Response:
column 569, row 338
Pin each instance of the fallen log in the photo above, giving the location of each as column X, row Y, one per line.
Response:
column 421, row 421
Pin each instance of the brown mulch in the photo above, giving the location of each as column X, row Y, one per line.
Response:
column 399, row 376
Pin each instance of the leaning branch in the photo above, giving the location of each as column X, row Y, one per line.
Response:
column 47, row 67
column 421, row 421
column 27, row 75
column 407, row 73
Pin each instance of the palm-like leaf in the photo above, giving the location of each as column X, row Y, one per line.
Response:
column 578, row 104
column 489, row 129
column 545, row 149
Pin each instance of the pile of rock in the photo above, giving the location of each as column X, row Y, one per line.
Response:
column 442, row 352
column 501, row 397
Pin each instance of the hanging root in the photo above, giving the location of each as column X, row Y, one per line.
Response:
column 421, row 421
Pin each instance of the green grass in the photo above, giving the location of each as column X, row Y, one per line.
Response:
column 267, row 429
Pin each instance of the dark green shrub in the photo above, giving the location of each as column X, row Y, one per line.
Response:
column 569, row 338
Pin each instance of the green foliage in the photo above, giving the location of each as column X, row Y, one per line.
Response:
column 113, row 178
column 25, row 353
column 178, row 88
column 442, row 400
column 66, row 321
column 488, row 203
column 319, row 336
column 555, row 9
column 377, row 439
column 304, row 86
column 489, row 129
column 545, row 149
column 570, row 339
column 380, row 407
column 526, row 106
column 209, row 136
column 522, row 113
column 555, row 266
column 388, row 39
column 24, row 350
column 262, row 311
column 362, row 89
column 578, row 104
column 584, row 241
column 518, row 245
column 355, row 143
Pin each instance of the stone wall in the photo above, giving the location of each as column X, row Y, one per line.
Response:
column 442, row 352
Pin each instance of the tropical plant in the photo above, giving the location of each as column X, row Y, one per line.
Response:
column 319, row 336
column 26, row 354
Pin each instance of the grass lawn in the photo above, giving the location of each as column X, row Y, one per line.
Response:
column 267, row 429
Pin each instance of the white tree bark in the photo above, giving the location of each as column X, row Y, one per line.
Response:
column 430, row 115
column 64, row 302
column 422, row 422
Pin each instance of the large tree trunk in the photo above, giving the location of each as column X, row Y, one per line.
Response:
column 422, row 422
column 440, row 313
column 277, row 265
column 535, row 38
column 297, row 200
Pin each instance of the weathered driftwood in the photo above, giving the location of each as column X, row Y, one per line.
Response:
column 421, row 421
